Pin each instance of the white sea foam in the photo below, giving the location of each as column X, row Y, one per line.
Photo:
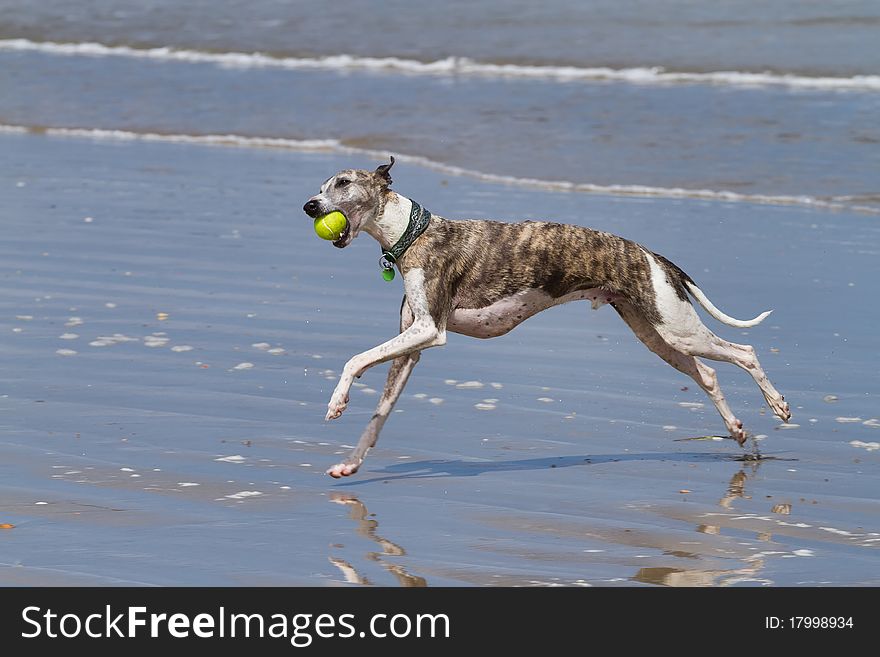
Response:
column 13, row 130
column 871, row 447
column 154, row 341
column 244, row 494
column 236, row 458
column 336, row 146
column 110, row 340
column 451, row 66
column 206, row 140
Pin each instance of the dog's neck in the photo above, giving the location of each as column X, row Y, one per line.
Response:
column 391, row 222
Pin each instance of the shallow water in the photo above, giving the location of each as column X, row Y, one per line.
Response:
column 734, row 97
column 128, row 459
column 830, row 38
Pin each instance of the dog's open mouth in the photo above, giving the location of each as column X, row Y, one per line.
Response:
column 343, row 240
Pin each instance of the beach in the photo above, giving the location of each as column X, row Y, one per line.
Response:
column 174, row 329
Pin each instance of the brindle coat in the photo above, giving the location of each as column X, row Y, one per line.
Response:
column 482, row 278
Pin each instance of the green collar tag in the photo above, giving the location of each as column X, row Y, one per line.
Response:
column 419, row 218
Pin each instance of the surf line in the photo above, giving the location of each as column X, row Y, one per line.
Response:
column 336, row 146
column 452, row 66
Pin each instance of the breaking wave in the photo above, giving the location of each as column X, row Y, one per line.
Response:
column 452, row 66
column 336, row 146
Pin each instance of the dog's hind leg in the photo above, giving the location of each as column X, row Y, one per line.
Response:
column 708, row 345
column 693, row 367
column 398, row 375
column 684, row 332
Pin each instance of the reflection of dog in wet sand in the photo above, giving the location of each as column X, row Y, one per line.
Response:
column 482, row 278
column 366, row 527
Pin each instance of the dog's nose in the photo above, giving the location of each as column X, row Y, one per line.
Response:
column 311, row 208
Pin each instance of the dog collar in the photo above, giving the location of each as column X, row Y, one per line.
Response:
column 419, row 218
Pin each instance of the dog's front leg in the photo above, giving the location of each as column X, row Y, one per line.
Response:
column 421, row 335
column 397, row 378
column 425, row 331
column 398, row 375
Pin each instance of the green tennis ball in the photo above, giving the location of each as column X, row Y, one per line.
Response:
column 330, row 226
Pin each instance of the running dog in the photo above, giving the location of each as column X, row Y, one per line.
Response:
column 482, row 278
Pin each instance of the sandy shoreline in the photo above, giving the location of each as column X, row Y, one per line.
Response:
column 170, row 320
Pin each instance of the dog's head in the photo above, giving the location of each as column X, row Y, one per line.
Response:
column 356, row 193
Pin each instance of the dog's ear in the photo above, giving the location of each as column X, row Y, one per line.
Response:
column 383, row 169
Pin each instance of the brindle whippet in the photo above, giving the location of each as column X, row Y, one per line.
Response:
column 482, row 278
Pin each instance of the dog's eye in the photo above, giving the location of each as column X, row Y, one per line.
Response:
column 342, row 182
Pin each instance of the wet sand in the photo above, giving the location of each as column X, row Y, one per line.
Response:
column 172, row 330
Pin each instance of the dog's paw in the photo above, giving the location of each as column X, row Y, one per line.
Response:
column 342, row 470
column 782, row 410
column 335, row 411
column 337, row 405
column 738, row 433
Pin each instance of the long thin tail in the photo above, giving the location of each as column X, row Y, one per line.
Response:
column 720, row 316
